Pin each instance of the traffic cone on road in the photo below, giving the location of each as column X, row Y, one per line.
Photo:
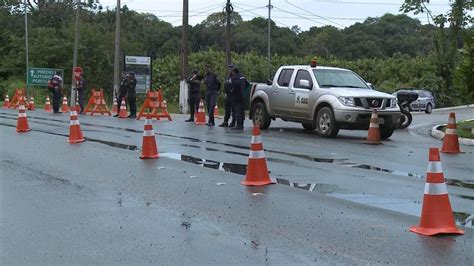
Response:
column 451, row 141
column 373, row 136
column 75, row 133
column 149, row 148
column 64, row 107
column 47, row 105
column 31, row 104
column 436, row 213
column 114, row 107
column 6, row 103
column 257, row 171
column 78, row 107
column 22, row 122
column 216, row 111
column 123, row 109
column 200, row 115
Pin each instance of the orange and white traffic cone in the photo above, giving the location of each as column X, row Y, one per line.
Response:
column 64, row 107
column 257, row 171
column 216, row 111
column 114, row 107
column 75, row 133
column 123, row 109
column 436, row 213
column 451, row 141
column 22, row 122
column 78, row 107
column 200, row 115
column 373, row 136
column 47, row 105
column 149, row 148
column 6, row 103
column 31, row 104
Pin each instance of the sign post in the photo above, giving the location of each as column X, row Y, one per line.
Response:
column 41, row 76
column 141, row 66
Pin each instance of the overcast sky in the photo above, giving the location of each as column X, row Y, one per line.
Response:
column 304, row 13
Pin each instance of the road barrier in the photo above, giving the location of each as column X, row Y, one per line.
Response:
column 154, row 106
column 97, row 103
column 20, row 96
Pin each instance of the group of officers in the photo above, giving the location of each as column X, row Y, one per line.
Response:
column 234, row 86
column 127, row 90
column 55, row 85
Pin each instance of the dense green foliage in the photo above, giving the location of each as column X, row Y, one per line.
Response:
column 391, row 51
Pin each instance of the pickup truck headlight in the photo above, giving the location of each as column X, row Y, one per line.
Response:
column 347, row 101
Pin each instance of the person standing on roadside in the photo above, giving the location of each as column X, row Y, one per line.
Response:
column 80, row 88
column 132, row 95
column 122, row 92
column 212, row 86
column 54, row 85
column 194, row 82
column 228, row 100
column 237, row 90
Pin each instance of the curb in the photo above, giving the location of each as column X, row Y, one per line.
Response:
column 453, row 108
column 438, row 134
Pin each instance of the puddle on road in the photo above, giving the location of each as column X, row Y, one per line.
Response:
column 235, row 168
column 375, row 168
column 460, row 183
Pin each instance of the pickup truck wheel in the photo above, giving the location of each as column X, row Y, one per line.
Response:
column 260, row 116
column 309, row 126
column 326, row 123
column 386, row 132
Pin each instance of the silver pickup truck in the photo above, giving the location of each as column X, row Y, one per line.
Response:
column 323, row 98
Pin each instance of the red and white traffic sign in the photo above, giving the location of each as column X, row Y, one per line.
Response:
column 77, row 73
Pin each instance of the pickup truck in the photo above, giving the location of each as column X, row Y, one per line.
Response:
column 323, row 98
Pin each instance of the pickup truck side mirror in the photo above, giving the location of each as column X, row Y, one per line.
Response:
column 269, row 82
column 305, row 84
column 370, row 85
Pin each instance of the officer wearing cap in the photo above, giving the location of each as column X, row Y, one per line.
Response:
column 228, row 99
column 80, row 88
column 194, row 82
column 124, row 83
column 132, row 95
column 237, row 90
column 212, row 86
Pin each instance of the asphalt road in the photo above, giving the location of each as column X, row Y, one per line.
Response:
column 337, row 201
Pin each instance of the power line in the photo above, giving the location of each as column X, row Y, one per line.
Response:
column 300, row 16
column 371, row 3
column 287, row 1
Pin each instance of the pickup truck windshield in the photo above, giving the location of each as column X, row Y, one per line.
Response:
column 338, row 78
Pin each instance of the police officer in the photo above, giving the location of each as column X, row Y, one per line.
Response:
column 212, row 85
column 193, row 81
column 80, row 88
column 54, row 85
column 132, row 95
column 122, row 92
column 237, row 90
column 228, row 100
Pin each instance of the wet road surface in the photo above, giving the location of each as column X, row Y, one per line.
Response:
column 337, row 200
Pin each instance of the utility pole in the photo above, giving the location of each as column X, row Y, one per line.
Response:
column 269, row 55
column 183, row 87
column 26, row 43
column 74, row 58
column 228, row 9
column 117, row 49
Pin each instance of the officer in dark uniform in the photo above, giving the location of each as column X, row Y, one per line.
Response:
column 194, row 81
column 132, row 95
column 80, row 88
column 237, row 90
column 212, row 85
column 54, row 85
column 122, row 92
column 228, row 100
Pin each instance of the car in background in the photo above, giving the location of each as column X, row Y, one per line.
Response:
column 425, row 101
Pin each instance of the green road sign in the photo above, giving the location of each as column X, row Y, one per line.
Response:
column 41, row 76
